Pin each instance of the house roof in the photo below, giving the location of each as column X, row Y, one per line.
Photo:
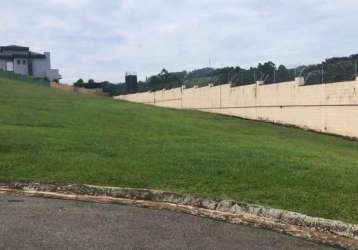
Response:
column 14, row 48
column 22, row 56
column 16, row 53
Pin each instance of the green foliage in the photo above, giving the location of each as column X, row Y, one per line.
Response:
column 18, row 77
column 52, row 135
column 331, row 70
column 115, row 89
column 107, row 87
column 282, row 74
column 91, row 84
column 165, row 80
column 266, row 72
column 79, row 82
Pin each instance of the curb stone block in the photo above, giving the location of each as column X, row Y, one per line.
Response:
column 334, row 233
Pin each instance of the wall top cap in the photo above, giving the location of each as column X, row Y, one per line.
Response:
column 300, row 80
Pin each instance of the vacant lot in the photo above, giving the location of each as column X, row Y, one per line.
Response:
column 50, row 135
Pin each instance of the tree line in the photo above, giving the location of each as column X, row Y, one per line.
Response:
column 331, row 70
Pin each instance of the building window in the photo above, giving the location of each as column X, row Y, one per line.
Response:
column 18, row 62
column 24, row 62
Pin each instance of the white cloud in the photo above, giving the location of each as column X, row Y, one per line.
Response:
column 103, row 39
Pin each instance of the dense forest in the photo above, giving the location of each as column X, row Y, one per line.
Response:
column 331, row 70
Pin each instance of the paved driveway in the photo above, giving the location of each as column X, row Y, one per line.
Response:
column 34, row 223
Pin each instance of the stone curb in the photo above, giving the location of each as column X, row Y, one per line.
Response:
column 331, row 232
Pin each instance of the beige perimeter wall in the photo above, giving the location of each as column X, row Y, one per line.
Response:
column 329, row 108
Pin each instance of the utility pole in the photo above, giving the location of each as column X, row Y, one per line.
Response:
column 221, row 105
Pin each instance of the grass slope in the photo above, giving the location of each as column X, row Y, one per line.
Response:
column 50, row 135
column 17, row 77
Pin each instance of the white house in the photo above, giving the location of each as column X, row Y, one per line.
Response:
column 22, row 61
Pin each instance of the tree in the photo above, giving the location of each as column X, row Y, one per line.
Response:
column 164, row 72
column 267, row 71
column 79, row 83
column 282, row 74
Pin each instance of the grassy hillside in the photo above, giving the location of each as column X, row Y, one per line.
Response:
column 50, row 135
column 20, row 78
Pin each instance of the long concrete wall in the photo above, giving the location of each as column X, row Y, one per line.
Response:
column 329, row 108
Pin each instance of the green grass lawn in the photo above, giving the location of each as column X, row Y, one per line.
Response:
column 50, row 135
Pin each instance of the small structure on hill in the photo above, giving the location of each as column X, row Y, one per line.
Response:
column 131, row 82
column 21, row 60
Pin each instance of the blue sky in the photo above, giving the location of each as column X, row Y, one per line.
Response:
column 104, row 39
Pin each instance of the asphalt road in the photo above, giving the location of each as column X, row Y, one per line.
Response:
column 34, row 223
